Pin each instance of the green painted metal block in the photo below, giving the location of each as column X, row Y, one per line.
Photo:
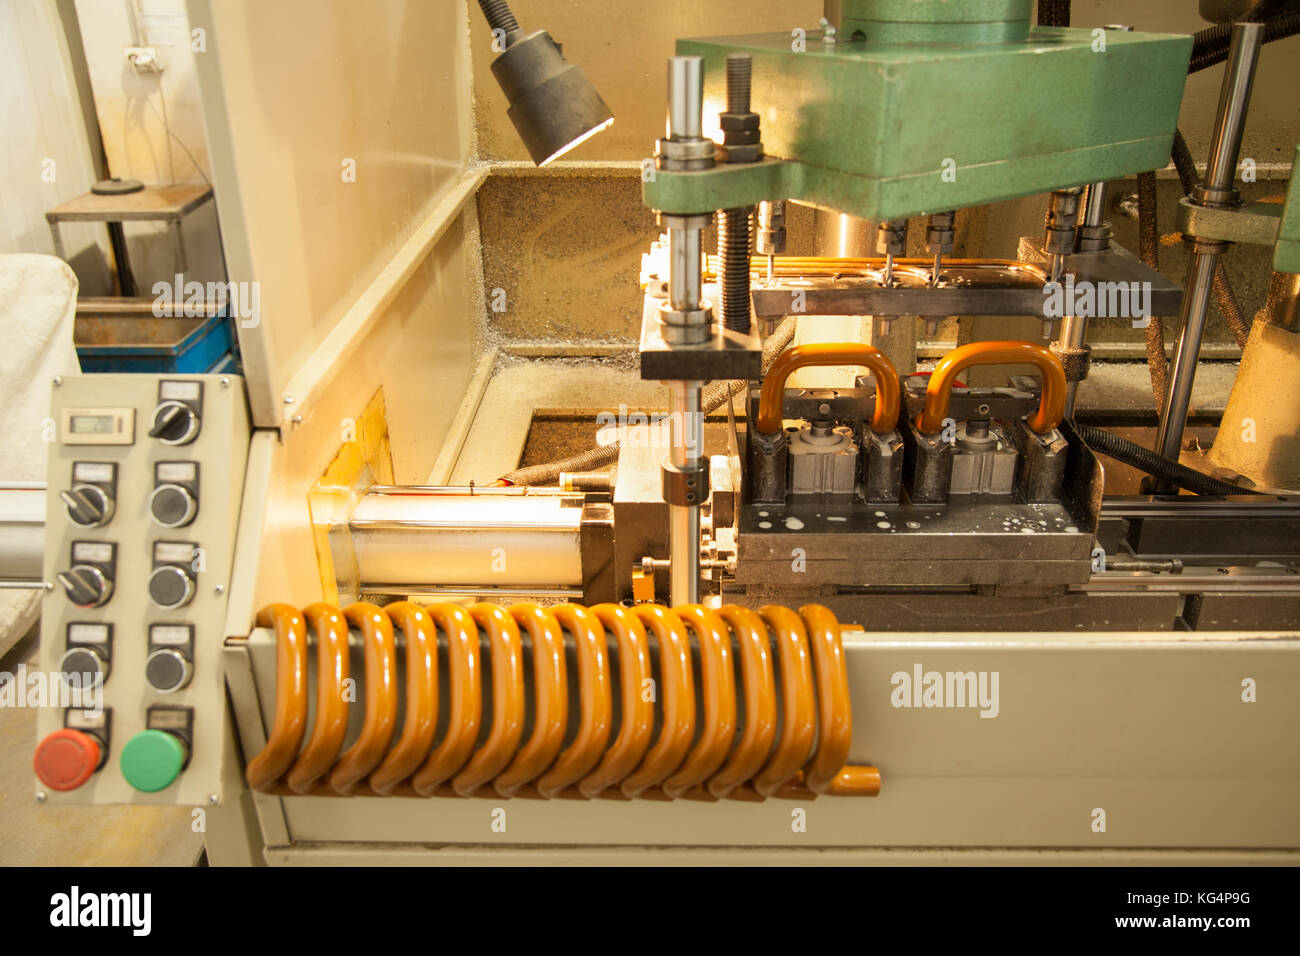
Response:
column 884, row 132
column 1286, row 254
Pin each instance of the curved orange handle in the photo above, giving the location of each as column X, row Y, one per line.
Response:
column 718, row 677
column 290, row 722
column 834, row 709
column 638, row 711
column 759, row 684
column 551, row 703
column 678, row 690
column 1050, row 407
column 885, row 416
column 799, row 711
column 507, row 700
column 331, row 706
column 381, row 698
column 463, row 672
column 595, row 699
column 421, row 697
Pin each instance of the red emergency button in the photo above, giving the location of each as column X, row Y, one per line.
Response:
column 66, row 759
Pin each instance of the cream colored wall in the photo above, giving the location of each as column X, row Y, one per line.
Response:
column 297, row 92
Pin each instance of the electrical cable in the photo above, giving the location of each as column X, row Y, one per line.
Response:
column 1145, row 460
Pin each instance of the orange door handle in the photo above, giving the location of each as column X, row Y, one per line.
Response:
column 421, row 721
column 638, row 709
column 331, row 706
column 834, row 723
column 380, row 697
column 885, row 416
column 466, row 700
column 290, row 721
column 798, row 708
column 595, row 701
column 1050, row 407
column 551, row 698
column 759, row 683
column 507, row 668
column 718, row 679
column 678, row 694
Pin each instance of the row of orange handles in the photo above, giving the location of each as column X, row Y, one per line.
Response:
column 1051, row 406
column 792, row 741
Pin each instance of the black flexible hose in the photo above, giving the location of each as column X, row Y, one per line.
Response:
column 1210, row 46
column 1144, row 459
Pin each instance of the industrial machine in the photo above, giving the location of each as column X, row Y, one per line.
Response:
column 810, row 606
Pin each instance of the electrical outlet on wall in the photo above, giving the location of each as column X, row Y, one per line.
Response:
column 145, row 59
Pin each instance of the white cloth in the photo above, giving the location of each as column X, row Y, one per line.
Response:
column 38, row 302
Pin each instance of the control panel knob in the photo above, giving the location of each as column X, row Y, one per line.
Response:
column 66, row 758
column 88, row 505
column 168, row 670
column 86, row 585
column 84, row 662
column 152, row 760
column 171, row 586
column 174, row 423
column 173, row 506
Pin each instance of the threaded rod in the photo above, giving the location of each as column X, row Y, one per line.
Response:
column 740, row 70
column 499, row 16
column 735, row 246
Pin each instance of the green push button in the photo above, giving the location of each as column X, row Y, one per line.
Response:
column 152, row 759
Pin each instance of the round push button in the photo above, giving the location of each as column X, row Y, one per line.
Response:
column 167, row 670
column 172, row 506
column 66, row 758
column 152, row 759
column 171, row 587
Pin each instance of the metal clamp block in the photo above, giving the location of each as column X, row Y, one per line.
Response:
column 686, row 486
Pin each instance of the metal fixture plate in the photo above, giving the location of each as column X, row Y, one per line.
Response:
column 727, row 355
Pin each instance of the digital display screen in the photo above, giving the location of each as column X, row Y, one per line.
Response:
column 92, row 425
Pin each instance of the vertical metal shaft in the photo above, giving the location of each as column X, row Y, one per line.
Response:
column 1094, row 206
column 687, row 438
column 1243, row 55
column 1072, row 341
column 685, row 268
column 685, row 285
column 685, row 97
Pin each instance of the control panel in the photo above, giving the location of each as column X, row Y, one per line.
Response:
column 145, row 478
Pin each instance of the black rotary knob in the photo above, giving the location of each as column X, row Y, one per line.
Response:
column 171, row 586
column 86, row 585
column 88, row 505
column 174, row 423
column 173, row 506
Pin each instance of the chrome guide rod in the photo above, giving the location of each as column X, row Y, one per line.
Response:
column 685, row 290
column 1243, row 56
column 687, row 437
